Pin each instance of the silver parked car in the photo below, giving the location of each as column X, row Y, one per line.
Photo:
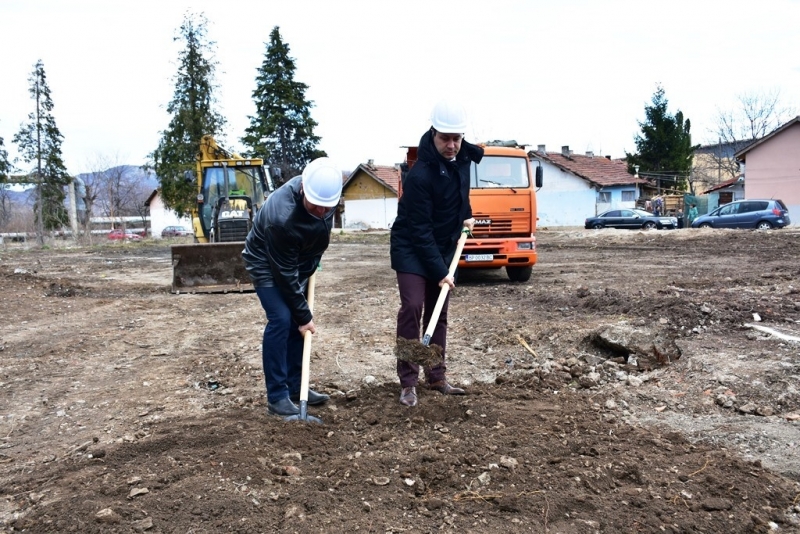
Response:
column 175, row 231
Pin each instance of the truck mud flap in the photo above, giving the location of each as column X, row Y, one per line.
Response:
column 209, row 268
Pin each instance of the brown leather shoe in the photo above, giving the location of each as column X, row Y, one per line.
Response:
column 408, row 396
column 446, row 389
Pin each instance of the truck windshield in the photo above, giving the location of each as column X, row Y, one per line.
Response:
column 240, row 181
column 500, row 171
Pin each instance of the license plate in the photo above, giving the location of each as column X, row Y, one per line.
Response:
column 480, row 257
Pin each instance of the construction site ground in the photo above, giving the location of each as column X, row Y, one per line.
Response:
column 638, row 382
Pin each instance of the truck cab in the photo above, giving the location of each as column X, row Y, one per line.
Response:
column 503, row 197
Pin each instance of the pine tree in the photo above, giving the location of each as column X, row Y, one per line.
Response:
column 5, row 165
column 282, row 130
column 39, row 141
column 664, row 147
column 5, row 170
column 194, row 114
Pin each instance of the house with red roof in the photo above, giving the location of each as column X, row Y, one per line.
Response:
column 370, row 196
column 578, row 186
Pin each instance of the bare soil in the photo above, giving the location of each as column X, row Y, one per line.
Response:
column 629, row 386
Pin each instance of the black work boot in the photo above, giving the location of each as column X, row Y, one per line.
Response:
column 314, row 398
column 283, row 407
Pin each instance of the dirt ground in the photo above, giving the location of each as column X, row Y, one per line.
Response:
column 629, row 386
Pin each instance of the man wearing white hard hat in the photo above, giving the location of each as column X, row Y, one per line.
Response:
column 290, row 233
column 430, row 216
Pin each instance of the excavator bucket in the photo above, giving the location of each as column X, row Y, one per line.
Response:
column 209, row 268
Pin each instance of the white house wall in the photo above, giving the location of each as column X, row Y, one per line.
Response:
column 370, row 213
column 565, row 199
column 161, row 217
column 564, row 208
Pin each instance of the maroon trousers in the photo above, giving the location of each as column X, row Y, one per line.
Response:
column 418, row 297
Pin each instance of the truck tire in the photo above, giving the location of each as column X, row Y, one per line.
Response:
column 519, row 274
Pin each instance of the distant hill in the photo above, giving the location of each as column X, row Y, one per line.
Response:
column 22, row 197
column 132, row 172
column 145, row 182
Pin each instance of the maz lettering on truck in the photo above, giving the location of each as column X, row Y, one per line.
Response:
column 483, row 222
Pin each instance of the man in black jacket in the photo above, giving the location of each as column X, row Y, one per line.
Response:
column 430, row 216
column 283, row 249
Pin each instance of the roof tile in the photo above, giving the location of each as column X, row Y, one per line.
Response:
column 596, row 169
column 389, row 176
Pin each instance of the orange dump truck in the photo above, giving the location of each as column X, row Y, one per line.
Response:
column 503, row 198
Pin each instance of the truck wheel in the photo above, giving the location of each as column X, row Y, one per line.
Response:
column 519, row 274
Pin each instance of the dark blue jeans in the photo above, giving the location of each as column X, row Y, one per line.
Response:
column 282, row 347
column 418, row 293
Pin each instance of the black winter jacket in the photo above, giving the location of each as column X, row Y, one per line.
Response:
column 430, row 213
column 285, row 246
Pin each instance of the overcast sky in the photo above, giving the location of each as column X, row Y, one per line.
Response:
column 565, row 72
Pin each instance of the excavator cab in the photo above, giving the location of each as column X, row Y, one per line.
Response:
column 230, row 196
column 231, row 189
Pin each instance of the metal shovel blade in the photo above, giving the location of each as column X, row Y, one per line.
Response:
column 303, row 415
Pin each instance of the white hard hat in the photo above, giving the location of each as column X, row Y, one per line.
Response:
column 449, row 117
column 322, row 182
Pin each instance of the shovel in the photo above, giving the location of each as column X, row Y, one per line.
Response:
column 303, row 415
column 425, row 354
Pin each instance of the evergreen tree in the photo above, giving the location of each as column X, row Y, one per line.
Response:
column 664, row 147
column 282, row 130
column 194, row 114
column 5, row 165
column 5, row 170
column 39, row 141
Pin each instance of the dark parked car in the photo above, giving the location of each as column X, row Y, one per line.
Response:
column 760, row 214
column 175, row 231
column 631, row 219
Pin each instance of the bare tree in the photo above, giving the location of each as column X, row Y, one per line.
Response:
column 756, row 115
column 17, row 212
column 115, row 190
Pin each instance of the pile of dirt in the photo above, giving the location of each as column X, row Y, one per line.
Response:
column 517, row 456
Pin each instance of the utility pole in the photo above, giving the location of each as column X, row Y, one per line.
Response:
column 73, row 211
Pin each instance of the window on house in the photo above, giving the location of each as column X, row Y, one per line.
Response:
column 628, row 196
column 604, row 197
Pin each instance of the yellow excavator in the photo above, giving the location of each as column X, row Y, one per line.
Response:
column 230, row 189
